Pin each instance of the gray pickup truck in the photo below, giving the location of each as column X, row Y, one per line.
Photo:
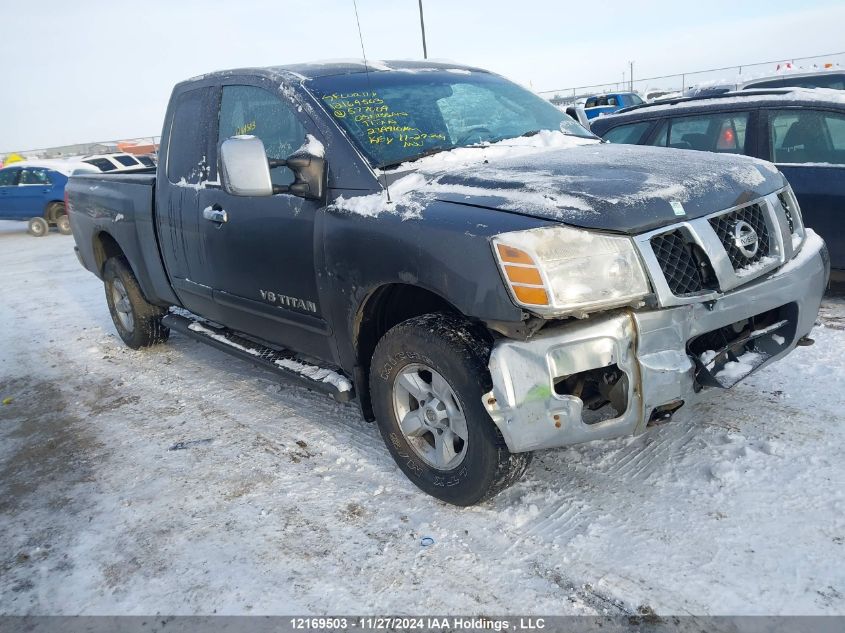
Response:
column 484, row 275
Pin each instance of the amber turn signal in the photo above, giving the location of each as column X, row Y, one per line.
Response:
column 531, row 296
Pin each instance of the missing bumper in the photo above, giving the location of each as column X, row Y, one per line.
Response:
column 725, row 356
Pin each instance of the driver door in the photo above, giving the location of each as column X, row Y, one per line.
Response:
column 263, row 257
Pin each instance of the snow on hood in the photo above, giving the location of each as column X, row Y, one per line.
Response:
column 423, row 172
column 621, row 188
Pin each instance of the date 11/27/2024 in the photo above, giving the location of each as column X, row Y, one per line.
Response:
column 375, row 623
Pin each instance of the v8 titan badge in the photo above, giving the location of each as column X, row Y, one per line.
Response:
column 677, row 207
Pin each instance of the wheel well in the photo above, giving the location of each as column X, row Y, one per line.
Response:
column 384, row 308
column 105, row 247
column 48, row 210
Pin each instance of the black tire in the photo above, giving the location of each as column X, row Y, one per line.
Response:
column 63, row 224
column 145, row 328
column 38, row 227
column 459, row 353
column 53, row 211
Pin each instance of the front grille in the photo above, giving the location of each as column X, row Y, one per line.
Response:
column 724, row 226
column 677, row 258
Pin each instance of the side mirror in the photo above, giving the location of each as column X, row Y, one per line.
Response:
column 246, row 170
column 309, row 173
column 578, row 113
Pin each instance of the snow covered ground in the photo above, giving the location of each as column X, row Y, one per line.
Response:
column 178, row 480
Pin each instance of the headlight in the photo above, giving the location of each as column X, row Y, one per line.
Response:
column 559, row 270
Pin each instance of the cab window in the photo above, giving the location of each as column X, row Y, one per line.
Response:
column 188, row 150
column 254, row 111
column 720, row 132
column 807, row 136
column 631, row 134
column 34, row 177
column 8, row 177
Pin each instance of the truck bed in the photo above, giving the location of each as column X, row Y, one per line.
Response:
column 119, row 208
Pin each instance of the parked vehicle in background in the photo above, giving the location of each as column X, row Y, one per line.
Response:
column 605, row 104
column 485, row 275
column 578, row 114
column 653, row 94
column 35, row 191
column 832, row 79
column 119, row 162
column 801, row 131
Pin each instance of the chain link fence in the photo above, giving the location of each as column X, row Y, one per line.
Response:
column 138, row 145
column 729, row 75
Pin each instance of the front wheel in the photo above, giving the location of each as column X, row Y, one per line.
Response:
column 427, row 378
column 38, row 227
column 137, row 321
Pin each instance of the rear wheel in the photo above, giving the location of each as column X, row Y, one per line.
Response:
column 427, row 379
column 63, row 224
column 53, row 212
column 137, row 321
column 38, row 227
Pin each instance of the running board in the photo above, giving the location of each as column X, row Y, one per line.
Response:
column 281, row 362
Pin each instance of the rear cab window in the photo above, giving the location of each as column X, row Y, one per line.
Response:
column 188, row 147
column 807, row 136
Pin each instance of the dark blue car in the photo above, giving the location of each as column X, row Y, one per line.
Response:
column 801, row 131
column 34, row 193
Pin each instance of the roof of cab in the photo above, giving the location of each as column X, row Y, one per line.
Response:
column 312, row 70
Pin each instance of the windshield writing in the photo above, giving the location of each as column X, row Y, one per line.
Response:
column 397, row 116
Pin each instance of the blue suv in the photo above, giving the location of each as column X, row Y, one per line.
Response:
column 605, row 104
column 801, row 131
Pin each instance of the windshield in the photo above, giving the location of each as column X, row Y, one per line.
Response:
column 397, row 116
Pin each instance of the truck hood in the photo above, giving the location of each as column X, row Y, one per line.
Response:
column 620, row 188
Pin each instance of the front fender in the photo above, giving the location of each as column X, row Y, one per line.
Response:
column 445, row 249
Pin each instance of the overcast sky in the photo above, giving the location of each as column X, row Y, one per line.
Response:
column 99, row 70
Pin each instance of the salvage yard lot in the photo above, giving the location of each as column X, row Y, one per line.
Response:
column 178, row 480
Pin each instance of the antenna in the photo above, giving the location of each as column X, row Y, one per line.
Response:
column 367, row 72
column 422, row 28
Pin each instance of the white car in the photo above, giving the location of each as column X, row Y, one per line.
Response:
column 118, row 162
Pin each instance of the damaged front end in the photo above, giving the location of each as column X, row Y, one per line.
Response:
column 617, row 373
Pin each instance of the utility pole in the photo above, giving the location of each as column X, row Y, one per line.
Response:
column 422, row 28
column 630, row 74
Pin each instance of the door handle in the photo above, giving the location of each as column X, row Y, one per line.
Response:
column 218, row 216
